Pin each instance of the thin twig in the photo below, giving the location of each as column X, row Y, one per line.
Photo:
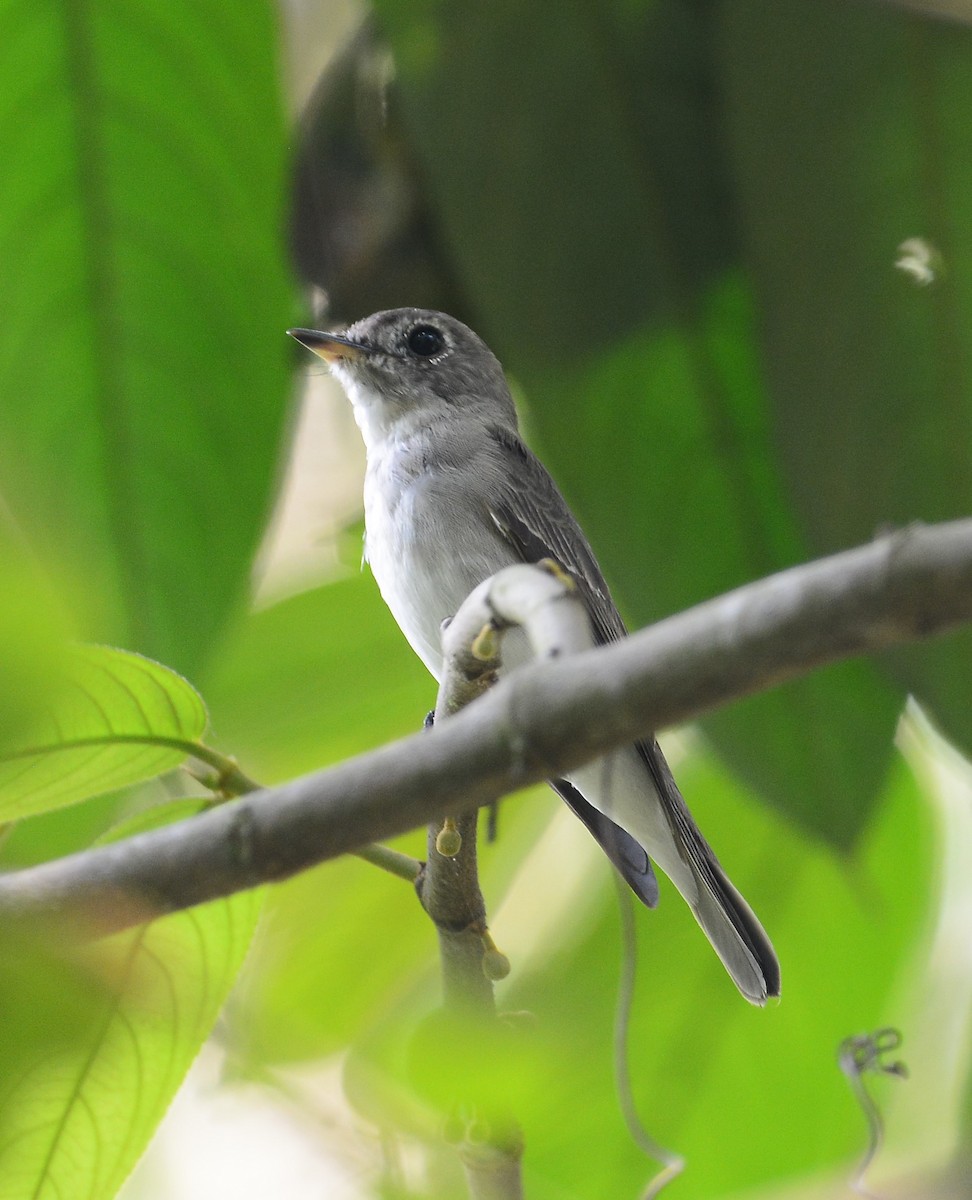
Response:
column 672, row 1164
column 392, row 861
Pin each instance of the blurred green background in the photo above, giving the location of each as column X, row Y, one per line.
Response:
column 725, row 252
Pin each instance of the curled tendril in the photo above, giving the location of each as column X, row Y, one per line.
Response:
column 672, row 1164
column 863, row 1055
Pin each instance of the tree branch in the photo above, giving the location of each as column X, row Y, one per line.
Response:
column 449, row 886
column 540, row 722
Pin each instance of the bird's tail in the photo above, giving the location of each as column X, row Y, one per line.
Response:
column 726, row 919
column 735, row 933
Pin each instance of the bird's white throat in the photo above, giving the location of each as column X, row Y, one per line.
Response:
column 380, row 420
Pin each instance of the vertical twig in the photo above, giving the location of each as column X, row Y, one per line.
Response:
column 490, row 1145
column 672, row 1164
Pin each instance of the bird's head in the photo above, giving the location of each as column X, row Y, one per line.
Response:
column 412, row 366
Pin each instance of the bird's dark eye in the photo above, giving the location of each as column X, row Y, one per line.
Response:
column 424, row 340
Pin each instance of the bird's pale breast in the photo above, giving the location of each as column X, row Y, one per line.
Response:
column 428, row 544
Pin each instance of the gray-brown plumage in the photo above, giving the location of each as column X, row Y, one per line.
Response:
column 452, row 495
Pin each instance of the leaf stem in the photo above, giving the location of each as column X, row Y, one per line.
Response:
column 392, row 861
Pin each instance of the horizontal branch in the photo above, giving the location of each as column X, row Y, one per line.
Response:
column 540, row 722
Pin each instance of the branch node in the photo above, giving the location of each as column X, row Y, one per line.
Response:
column 448, row 841
column 241, row 837
column 496, row 965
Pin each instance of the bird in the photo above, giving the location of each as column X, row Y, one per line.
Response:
column 452, row 494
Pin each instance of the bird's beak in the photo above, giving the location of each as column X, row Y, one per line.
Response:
column 329, row 346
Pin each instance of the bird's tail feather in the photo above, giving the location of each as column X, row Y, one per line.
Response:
column 726, row 919
column 628, row 855
column 736, row 934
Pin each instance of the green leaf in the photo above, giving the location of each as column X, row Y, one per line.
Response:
column 116, row 719
column 592, row 139
column 76, row 1112
column 871, row 369
column 143, row 363
column 46, row 996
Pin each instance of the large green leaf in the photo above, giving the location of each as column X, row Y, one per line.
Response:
column 550, row 166
column 77, row 1110
column 115, row 719
column 142, row 357
column 850, row 134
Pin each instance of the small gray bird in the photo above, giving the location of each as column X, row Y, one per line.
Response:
column 451, row 496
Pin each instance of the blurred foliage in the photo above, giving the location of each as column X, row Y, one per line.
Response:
column 143, row 387
column 33, row 631
column 288, row 683
column 678, row 222
column 76, row 1112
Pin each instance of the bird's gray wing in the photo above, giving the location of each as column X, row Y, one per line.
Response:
column 536, row 522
